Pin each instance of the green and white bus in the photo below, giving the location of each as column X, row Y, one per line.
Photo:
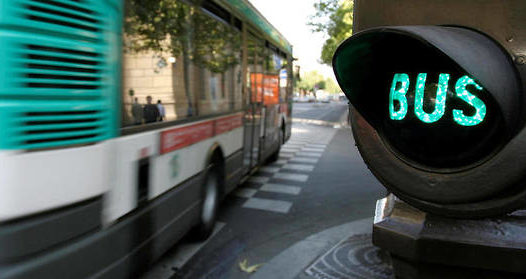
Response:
column 124, row 124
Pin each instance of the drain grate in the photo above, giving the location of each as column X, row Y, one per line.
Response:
column 353, row 258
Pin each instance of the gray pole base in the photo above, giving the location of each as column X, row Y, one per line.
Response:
column 429, row 246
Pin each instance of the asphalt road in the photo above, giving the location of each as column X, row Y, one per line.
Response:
column 331, row 112
column 319, row 182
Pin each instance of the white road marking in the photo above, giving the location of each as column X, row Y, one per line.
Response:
column 245, row 192
column 292, row 150
column 298, row 167
column 316, row 145
column 269, row 169
column 280, row 162
column 295, row 142
column 292, row 176
column 293, row 145
column 258, row 179
column 308, row 154
column 268, row 205
column 302, row 139
column 285, row 155
column 304, row 160
column 312, row 149
column 281, row 188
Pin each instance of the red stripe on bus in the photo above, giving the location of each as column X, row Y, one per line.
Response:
column 226, row 124
column 178, row 138
column 236, row 121
column 222, row 125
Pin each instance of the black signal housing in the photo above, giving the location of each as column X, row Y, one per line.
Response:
column 448, row 165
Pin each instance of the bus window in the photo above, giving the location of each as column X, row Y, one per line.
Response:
column 217, row 52
column 273, row 84
column 194, row 71
column 285, row 82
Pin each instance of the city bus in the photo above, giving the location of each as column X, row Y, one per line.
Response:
column 124, row 124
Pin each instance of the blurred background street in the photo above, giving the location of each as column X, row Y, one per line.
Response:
column 318, row 183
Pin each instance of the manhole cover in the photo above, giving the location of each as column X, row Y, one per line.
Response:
column 354, row 258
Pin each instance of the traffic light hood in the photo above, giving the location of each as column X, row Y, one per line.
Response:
column 362, row 60
column 428, row 86
column 437, row 114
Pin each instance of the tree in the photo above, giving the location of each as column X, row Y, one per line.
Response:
column 333, row 18
column 309, row 80
column 331, row 86
column 321, row 85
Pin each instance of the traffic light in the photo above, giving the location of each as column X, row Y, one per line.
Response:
column 438, row 116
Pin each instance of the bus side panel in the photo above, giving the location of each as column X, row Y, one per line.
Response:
column 166, row 169
column 33, row 182
column 174, row 167
column 232, row 145
column 122, row 197
column 272, row 125
column 122, row 250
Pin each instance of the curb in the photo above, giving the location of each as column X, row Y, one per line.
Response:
column 292, row 261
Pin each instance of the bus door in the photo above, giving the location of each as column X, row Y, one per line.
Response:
column 253, row 117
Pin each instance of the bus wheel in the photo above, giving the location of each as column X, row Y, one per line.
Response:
column 210, row 206
column 275, row 156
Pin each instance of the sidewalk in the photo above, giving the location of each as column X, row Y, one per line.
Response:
column 341, row 252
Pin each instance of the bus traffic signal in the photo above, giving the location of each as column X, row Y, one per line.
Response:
column 437, row 112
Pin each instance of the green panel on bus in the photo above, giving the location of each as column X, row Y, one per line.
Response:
column 60, row 78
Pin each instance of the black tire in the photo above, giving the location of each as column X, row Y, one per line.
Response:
column 275, row 156
column 210, row 204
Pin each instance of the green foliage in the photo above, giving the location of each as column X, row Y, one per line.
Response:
column 313, row 80
column 309, row 80
column 148, row 24
column 333, row 18
column 215, row 46
column 320, row 84
column 179, row 28
column 331, row 86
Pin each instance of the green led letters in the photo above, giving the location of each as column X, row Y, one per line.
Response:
column 399, row 95
column 478, row 104
column 440, row 99
column 400, row 86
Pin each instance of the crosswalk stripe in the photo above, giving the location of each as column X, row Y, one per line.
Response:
column 245, row 192
column 302, row 140
column 298, row 140
column 316, row 145
column 285, row 155
column 292, row 176
column 269, row 169
column 258, row 179
column 295, row 143
column 312, row 149
column 280, row 162
column 308, row 154
column 304, row 160
column 268, row 205
column 289, row 144
column 298, row 167
column 281, row 188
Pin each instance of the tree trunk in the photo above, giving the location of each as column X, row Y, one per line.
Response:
column 186, row 77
